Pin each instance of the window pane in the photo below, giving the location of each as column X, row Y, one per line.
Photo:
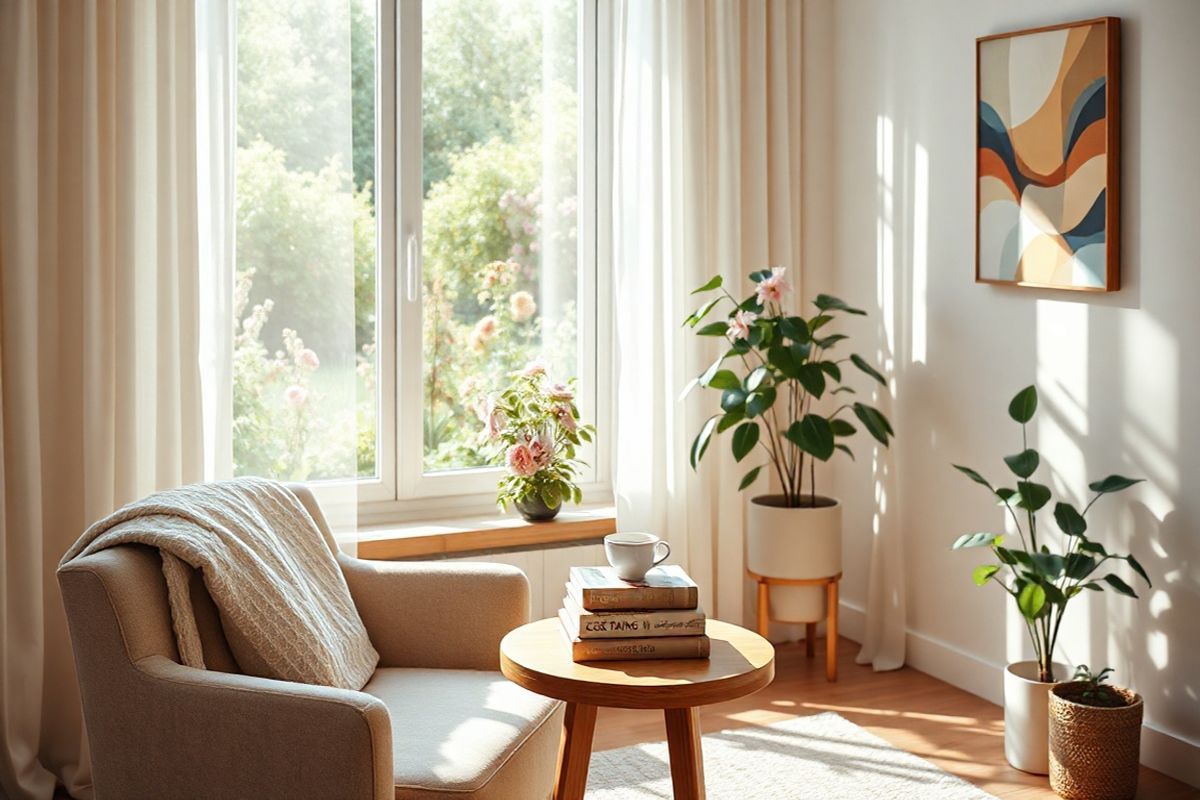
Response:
column 499, row 122
column 304, row 393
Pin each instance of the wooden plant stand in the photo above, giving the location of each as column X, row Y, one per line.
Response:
column 810, row 628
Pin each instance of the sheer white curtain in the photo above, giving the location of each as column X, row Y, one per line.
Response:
column 706, row 151
column 101, row 282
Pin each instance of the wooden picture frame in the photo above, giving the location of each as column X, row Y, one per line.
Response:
column 1047, row 161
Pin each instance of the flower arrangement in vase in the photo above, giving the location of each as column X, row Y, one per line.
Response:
column 534, row 427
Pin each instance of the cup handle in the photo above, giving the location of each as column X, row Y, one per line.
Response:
column 664, row 556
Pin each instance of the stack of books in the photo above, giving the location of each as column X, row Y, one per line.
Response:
column 609, row 619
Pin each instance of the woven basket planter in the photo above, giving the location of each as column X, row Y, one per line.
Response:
column 1094, row 752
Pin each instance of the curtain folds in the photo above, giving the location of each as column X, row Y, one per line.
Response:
column 706, row 153
column 100, row 319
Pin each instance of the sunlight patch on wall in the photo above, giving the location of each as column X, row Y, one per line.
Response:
column 920, row 253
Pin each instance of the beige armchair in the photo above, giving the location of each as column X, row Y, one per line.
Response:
column 437, row 720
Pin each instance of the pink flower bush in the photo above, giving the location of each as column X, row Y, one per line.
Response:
column 522, row 306
column 296, row 396
column 561, row 392
column 308, row 358
column 521, row 461
column 739, row 326
column 483, row 332
column 772, row 288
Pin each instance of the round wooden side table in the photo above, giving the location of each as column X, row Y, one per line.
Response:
column 537, row 657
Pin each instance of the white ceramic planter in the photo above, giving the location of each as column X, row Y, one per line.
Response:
column 798, row 544
column 1027, row 716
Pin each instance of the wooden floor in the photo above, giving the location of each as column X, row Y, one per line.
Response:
column 961, row 733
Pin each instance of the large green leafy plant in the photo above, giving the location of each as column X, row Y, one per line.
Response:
column 1040, row 580
column 785, row 367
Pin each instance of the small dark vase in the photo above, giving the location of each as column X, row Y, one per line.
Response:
column 534, row 509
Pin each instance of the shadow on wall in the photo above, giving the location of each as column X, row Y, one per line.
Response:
column 1118, row 373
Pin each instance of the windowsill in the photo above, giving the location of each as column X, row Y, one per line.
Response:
column 467, row 535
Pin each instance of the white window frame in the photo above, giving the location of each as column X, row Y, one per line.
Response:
column 402, row 490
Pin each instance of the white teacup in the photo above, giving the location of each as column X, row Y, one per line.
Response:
column 632, row 555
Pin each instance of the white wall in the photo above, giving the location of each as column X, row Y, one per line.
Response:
column 890, row 226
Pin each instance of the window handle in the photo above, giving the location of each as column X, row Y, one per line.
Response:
column 410, row 267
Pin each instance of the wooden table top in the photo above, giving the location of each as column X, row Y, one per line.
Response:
column 538, row 657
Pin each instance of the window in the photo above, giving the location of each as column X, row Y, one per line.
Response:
column 417, row 219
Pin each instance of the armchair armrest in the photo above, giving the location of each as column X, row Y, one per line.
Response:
column 437, row 614
column 229, row 735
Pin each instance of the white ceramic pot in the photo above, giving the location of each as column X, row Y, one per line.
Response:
column 796, row 543
column 1027, row 716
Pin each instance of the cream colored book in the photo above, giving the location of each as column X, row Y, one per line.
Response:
column 599, row 589
column 641, row 648
column 586, row 624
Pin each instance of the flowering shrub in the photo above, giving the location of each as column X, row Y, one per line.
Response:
column 532, row 428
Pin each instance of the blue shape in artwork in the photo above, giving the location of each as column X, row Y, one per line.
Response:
column 1090, row 229
column 1089, row 107
column 994, row 136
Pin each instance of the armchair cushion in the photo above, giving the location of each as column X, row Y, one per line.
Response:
column 470, row 733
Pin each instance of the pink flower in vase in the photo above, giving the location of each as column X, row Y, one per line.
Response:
column 739, row 326
column 520, row 461
column 565, row 417
column 542, row 449
column 771, row 288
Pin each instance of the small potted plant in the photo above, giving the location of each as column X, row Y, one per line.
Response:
column 1095, row 738
column 534, row 428
column 773, row 370
column 1041, row 582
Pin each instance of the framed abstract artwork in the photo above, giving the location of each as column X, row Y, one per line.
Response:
column 1047, row 157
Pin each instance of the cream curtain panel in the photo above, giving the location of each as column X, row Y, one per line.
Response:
column 706, row 150
column 100, row 304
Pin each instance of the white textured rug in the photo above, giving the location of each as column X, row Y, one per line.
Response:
column 821, row 757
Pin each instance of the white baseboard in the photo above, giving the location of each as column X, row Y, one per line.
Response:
column 1166, row 752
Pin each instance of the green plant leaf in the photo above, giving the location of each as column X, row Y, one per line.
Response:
column 827, row 302
column 1113, row 483
column 841, row 389
column 700, row 444
column 830, row 340
column 756, row 377
column 713, row 283
column 1031, row 601
column 714, row 329
column 1121, row 586
column 1004, row 554
column 759, row 276
column 1092, row 585
column 981, row 539
column 758, row 402
column 1024, row 405
column 1133, row 562
column 831, row 369
column 707, row 375
column 845, row 450
column 973, row 475
column 1054, row 595
column 730, row 419
column 876, row 424
column 816, row 323
column 749, row 478
column 1079, row 565
column 1024, row 463
column 702, row 312
column 861, row 363
column 983, row 573
column 1004, row 494
column 744, row 439
column 1093, row 547
column 724, row 379
column 1069, row 520
column 1048, row 565
column 1033, row 495
column 842, row 428
column 812, row 435
column 812, row 378
column 795, row 328
column 733, row 400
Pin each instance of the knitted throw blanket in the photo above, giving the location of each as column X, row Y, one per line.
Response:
column 268, row 569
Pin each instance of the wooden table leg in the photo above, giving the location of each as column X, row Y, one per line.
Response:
column 810, row 639
column 687, row 760
column 575, row 752
column 764, row 608
column 831, row 632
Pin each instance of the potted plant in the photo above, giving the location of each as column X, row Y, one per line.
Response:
column 1042, row 580
column 534, row 428
column 1095, row 738
column 779, row 367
